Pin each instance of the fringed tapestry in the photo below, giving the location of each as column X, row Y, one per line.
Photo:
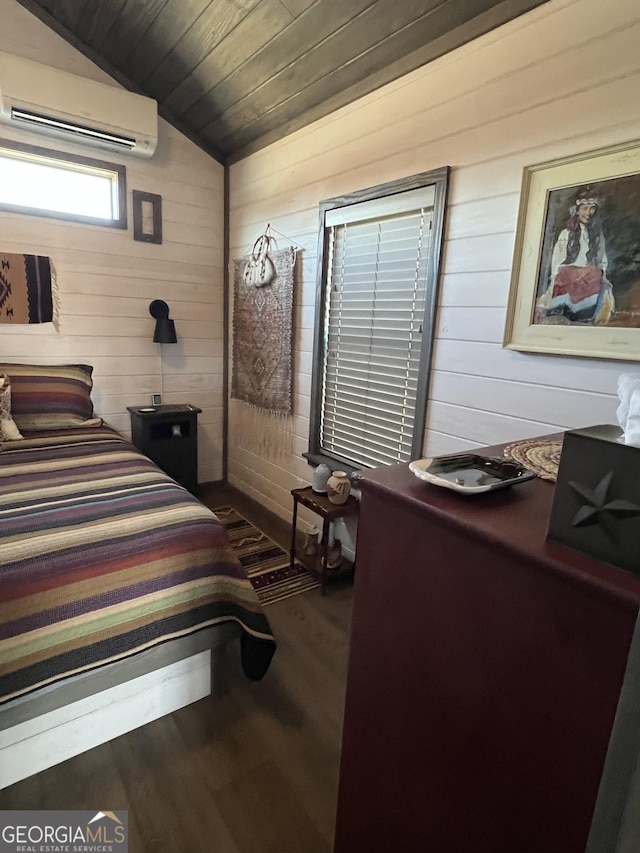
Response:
column 27, row 289
column 262, row 335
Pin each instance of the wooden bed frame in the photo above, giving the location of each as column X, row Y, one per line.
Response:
column 55, row 723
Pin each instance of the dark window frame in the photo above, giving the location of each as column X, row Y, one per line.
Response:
column 51, row 154
column 439, row 179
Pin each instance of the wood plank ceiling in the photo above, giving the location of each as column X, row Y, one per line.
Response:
column 236, row 75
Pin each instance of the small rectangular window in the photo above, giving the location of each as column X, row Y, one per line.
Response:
column 41, row 182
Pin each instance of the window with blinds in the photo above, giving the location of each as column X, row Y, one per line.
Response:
column 374, row 335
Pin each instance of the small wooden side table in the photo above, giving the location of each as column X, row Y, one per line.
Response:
column 322, row 506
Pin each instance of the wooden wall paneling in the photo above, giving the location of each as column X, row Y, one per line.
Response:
column 119, row 365
column 520, row 99
column 170, row 49
column 457, row 420
column 459, row 144
column 316, row 103
column 96, row 19
column 128, row 28
column 188, row 233
column 441, row 81
column 193, row 334
column 199, row 196
column 481, row 393
column 140, row 288
column 191, row 383
column 239, row 44
column 524, row 399
column 596, row 375
column 471, row 323
column 24, row 233
column 297, row 7
column 480, row 253
column 141, row 384
column 105, row 289
column 93, row 305
column 158, row 41
column 520, row 129
column 79, row 347
column 268, row 480
column 475, row 288
column 136, row 268
column 110, row 406
column 210, row 451
column 287, row 50
column 208, row 32
column 488, row 215
column 199, row 367
column 163, row 33
column 315, row 80
column 206, row 346
column 67, row 11
column 439, row 444
column 463, row 73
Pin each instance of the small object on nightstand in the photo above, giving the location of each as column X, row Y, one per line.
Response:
column 338, row 487
column 328, row 562
column 311, row 542
column 320, row 477
column 334, row 554
column 168, row 435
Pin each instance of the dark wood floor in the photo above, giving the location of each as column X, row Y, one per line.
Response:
column 253, row 769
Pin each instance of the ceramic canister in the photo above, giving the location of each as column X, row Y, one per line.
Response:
column 320, row 476
column 338, row 487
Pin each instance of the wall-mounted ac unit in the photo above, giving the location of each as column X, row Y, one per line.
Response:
column 44, row 100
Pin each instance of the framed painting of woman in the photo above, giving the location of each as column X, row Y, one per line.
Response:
column 575, row 286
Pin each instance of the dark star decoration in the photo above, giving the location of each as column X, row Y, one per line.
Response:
column 599, row 510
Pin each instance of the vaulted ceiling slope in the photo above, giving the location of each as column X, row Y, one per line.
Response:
column 236, row 75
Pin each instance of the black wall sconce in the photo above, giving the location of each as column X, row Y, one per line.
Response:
column 165, row 331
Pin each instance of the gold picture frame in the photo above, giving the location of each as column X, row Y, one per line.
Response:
column 575, row 285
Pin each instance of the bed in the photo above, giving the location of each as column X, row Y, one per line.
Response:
column 107, row 566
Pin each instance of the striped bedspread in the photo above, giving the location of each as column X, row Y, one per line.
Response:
column 102, row 556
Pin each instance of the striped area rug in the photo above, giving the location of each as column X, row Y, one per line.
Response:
column 266, row 564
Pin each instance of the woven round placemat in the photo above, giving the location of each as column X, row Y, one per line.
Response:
column 539, row 455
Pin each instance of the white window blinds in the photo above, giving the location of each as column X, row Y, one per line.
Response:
column 378, row 257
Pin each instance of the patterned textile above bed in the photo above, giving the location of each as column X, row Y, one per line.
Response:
column 102, row 555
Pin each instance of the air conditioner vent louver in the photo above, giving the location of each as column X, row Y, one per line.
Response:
column 44, row 100
column 50, row 123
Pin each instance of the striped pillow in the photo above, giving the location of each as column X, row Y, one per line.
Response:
column 51, row 396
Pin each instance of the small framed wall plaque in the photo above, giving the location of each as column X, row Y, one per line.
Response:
column 147, row 217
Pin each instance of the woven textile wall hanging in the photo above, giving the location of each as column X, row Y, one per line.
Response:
column 27, row 289
column 262, row 335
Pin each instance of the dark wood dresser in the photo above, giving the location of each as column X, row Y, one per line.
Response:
column 485, row 672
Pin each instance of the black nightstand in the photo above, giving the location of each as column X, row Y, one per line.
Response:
column 168, row 435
